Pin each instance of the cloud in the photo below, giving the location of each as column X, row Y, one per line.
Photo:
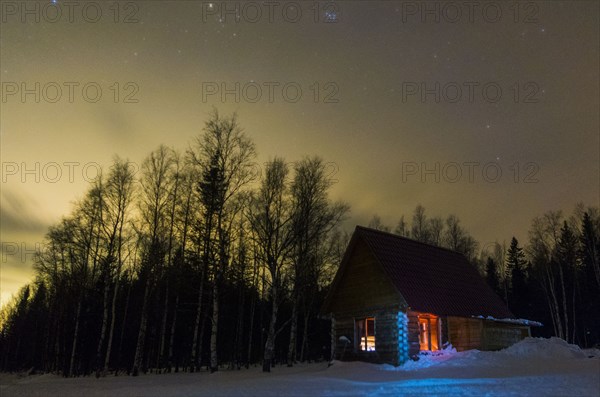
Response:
column 118, row 125
column 18, row 213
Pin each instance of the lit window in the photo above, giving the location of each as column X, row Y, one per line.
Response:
column 365, row 334
column 428, row 332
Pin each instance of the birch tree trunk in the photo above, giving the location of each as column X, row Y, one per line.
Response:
column 291, row 357
column 564, row 302
column 113, row 319
column 112, row 326
column 239, row 327
column 163, row 330
column 214, row 363
column 195, row 357
column 75, row 337
column 141, row 339
column 250, row 331
column 104, row 326
column 304, row 337
column 270, row 343
column 172, row 334
column 123, row 323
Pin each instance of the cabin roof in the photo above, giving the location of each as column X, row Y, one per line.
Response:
column 431, row 279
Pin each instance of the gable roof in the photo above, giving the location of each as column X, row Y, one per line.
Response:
column 431, row 279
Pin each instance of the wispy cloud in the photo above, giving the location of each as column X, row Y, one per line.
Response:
column 19, row 214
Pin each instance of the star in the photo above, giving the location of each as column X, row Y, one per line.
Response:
column 330, row 16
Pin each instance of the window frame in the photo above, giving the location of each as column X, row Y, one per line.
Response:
column 433, row 323
column 358, row 335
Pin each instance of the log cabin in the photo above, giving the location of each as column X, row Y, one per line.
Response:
column 393, row 297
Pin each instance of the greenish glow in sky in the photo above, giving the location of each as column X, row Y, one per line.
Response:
column 414, row 102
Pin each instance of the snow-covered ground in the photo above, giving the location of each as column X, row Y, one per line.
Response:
column 533, row 367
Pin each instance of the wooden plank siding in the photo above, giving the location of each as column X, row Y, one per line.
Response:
column 475, row 333
column 444, row 327
column 365, row 291
column 498, row 335
column 465, row 333
column 363, row 284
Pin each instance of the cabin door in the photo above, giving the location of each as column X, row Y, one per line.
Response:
column 429, row 332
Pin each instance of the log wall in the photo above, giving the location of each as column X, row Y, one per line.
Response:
column 386, row 336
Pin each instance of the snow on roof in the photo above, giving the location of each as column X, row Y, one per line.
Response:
column 519, row 321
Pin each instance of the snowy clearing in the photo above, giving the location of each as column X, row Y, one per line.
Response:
column 533, row 367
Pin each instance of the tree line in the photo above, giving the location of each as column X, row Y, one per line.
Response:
column 198, row 261
column 554, row 278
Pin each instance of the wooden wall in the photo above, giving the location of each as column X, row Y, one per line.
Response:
column 498, row 335
column 475, row 333
column 386, row 336
column 413, row 334
column 364, row 290
column 464, row 333
column 363, row 284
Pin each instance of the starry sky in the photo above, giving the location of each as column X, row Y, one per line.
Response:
column 411, row 102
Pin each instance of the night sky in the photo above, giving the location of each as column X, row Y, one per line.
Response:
column 383, row 90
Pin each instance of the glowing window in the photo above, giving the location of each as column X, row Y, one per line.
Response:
column 428, row 332
column 365, row 334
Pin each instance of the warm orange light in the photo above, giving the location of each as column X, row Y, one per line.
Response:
column 429, row 336
column 366, row 332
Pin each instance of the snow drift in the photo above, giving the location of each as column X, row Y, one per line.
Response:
column 533, row 367
column 541, row 348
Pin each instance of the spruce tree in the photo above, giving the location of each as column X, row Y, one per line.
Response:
column 590, row 283
column 518, row 296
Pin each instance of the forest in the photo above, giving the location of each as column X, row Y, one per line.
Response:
column 205, row 260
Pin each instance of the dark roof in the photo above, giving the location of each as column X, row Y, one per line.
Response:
column 432, row 279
